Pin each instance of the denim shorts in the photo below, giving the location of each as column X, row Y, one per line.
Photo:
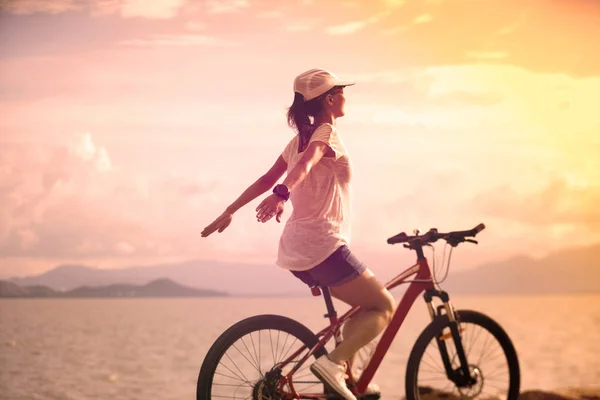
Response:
column 339, row 268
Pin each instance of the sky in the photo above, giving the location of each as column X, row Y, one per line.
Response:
column 127, row 126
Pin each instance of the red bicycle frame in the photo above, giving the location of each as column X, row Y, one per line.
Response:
column 422, row 282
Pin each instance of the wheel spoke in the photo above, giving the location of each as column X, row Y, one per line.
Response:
column 272, row 350
column 282, row 349
column 487, row 353
column 251, row 363
column 226, row 384
column 291, row 347
column 444, row 379
column 254, row 348
column 484, row 349
column 276, row 361
column 494, row 374
column 230, row 377
column 435, row 364
column 233, row 372
column 240, row 364
column 238, row 368
column 471, row 343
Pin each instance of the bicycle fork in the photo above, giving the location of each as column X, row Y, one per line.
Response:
column 461, row 376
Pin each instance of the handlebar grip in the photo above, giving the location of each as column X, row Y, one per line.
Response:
column 399, row 238
column 479, row 228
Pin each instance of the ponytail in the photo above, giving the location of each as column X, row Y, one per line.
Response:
column 299, row 120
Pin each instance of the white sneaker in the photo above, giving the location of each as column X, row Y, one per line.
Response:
column 333, row 374
column 373, row 388
column 362, row 358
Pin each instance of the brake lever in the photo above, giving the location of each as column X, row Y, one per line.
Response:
column 471, row 240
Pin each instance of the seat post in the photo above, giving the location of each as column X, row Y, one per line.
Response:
column 331, row 313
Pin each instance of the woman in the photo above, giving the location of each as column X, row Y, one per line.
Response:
column 314, row 242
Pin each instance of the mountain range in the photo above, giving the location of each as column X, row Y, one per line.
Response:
column 574, row 270
column 157, row 288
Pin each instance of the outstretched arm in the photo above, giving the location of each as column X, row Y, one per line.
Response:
column 313, row 154
column 273, row 205
column 259, row 187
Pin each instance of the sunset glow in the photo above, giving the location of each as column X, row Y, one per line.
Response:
column 127, row 126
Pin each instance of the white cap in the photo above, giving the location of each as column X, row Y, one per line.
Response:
column 315, row 82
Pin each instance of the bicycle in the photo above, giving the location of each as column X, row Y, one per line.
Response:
column 451, row 335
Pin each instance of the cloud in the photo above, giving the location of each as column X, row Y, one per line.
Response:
column 124, row 248
column 463, row 98
column 513, row 113
column 507, row 30
column 423, row 19
column 395, row 30
column 345, row 29
column 271, row 14
column 71, row 202
column 84, row 148
column 195, row 26
column 394, row 3
column 43, row 191
column 487, row 55
column 558, row 203
column 186, row 188
column 355, row 26
column 180, row 41
column 387, row 76
column 156, row 9
column 302, row 25
column 40, row 6
column 103, row 7
column 226, row 6
column 512, row 28
column 525, row 107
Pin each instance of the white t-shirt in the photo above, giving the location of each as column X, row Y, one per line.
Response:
column 320, row 220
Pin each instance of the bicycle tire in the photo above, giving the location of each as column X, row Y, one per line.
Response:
column 435, row 328
column 241, row 329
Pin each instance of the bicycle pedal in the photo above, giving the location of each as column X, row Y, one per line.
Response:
column 331, row 394
column 370, row 396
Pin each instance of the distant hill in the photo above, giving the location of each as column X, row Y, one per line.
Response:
column 575, row 270
column 157, row 288
column 234, row 278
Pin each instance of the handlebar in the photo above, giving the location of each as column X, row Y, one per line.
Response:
column 453, row 238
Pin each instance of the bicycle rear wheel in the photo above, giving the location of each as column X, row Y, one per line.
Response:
column 244, row 362
column 490, row 354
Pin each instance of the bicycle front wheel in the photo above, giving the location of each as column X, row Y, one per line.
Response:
column 248, row 360
column 490, row 355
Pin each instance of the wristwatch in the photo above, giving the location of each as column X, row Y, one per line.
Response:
column 282, row 191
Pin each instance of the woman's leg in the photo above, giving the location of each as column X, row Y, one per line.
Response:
column 377, row 307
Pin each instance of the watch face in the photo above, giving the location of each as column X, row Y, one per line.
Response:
column 281, row 190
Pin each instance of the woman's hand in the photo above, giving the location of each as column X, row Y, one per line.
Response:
column 219, row 224
column 270, row 207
